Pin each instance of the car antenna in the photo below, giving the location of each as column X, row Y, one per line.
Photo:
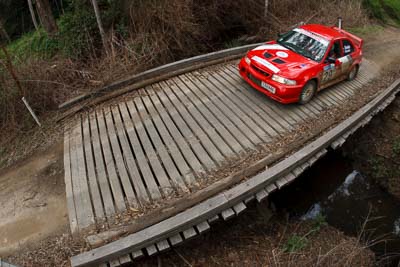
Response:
column 340, row 23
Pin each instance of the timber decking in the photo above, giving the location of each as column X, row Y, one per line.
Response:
column 162, row 142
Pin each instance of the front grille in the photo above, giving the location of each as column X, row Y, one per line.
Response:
column 254, row 79
column 266, row 74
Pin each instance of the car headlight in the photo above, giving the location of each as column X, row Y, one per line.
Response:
column 282, row 80
column 247, row 60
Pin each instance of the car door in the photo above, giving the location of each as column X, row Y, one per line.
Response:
column 347, row 59
column 332, row 70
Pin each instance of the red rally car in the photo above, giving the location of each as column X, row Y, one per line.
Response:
column 301, row 62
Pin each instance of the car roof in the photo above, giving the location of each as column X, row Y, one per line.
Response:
column 326, row 32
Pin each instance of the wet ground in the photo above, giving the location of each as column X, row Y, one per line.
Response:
column 349, row 201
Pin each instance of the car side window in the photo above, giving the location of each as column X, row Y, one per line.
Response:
column 348, row 48
column 335, row 51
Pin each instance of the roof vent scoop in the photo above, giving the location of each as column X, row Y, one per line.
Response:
column 279, row 61
column 267, row 55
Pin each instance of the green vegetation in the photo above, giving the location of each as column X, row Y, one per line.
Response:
column 33, row 45
column 396, row 146
column 387, row 11
column 77, row 35
column 379, row 169
column 365, row 30
column 295, row 243
column 319, row 222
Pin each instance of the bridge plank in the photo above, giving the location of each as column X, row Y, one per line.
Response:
column 315, row 104
column 159, row 173
column 189, row 233
column 203, row 227
column 162, row 245
column 102, row 178
column 246, row 121
column 209, row 158
column 264, row 119
column 176, row 239
column 227, row 92
column 262, row 101
column 172, row 171
column 289, row 117
column 338, row 90
column 168, row 140
column 334, row 96
column 85, row 214
column 322, row 97
column 122, row 173
column 75, row 177
column 205, row 131
column 308, row 110
column 185, row 127
column 124, row 260
column 68, row 183
column 183, row 146
column 140, row 156
column 93, row 185
column 328, row 94
column 129, row 159
column 213, row 115
column 151, row 250
column 234, row 131
column 110, row 165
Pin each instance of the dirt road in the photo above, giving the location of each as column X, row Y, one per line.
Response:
column 32, row 201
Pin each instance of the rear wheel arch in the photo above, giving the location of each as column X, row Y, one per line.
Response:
column 352, row 74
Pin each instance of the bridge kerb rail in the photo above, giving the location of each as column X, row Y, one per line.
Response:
column 151, row 76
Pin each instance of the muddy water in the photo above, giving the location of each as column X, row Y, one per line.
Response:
column 349, row 201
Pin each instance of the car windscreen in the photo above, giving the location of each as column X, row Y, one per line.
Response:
column 305, row 43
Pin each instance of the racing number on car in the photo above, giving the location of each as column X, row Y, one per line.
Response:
column 329, row 72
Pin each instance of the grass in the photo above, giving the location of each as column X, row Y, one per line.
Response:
column 366, row 30
column 387, row 11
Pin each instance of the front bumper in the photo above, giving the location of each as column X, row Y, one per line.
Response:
column 283, row 93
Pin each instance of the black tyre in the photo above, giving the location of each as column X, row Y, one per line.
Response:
column 308, row 92
column 353, row 73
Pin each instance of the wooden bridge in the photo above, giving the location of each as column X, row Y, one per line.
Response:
column 170, row 157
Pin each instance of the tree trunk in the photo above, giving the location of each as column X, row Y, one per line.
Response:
column 46, row 17
column 3, row 33
column 9, row 66
column 266, row 9
column 33, row 15
column 100, row 24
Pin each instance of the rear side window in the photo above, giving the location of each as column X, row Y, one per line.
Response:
column 348, row 48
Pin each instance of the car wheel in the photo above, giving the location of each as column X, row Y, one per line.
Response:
column 308, row 92
column 353, row 73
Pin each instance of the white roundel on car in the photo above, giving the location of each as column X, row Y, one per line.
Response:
column 282, row 54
